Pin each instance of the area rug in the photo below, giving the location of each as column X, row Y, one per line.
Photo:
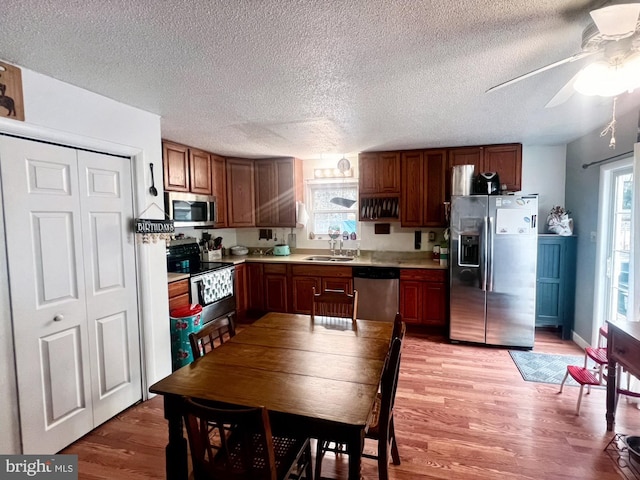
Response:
column 545, row 367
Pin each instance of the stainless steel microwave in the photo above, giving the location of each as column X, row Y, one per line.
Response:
column 190, row 210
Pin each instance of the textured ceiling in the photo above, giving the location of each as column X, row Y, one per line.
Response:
column 304, row 77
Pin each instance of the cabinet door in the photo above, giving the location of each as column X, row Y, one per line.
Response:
column 507, row 161
column 285, row 178
column 434, row 308
column 175, row 161
column 388, row 172
column 240, row 193
column 434, row 188
column 462, row 156
column 255, row 288
column 302, row 293
column 266, row 195
column 275, row 293
column 219, row 189
column 199, row 172
column 367, row 176
column 412, row 204
column 411, row 301
column 242, row 300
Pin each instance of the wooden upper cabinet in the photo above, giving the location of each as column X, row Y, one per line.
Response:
column 423, row 188
column 175, row 161
column 199, row 172
column 278, row 186
column 240, row 193
column 412, row 204
column 186, row 169
column 507, row 161
column 379, row 173
column 219, row 188
column 435, row 188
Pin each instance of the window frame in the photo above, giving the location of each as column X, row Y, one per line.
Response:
column 336, row 182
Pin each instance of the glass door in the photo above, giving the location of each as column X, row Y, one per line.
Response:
column 614, row 244
column 617, row 298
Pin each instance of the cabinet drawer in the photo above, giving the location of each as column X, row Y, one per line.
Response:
column 322, row 271
column 178, row 288
column 425, row 275
column 277, row 268
column 179, row 301
column 625, row 349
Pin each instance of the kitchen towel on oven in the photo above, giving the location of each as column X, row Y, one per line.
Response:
column 216, row 285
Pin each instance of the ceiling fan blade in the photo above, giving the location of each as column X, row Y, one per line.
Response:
column 616, row 21
column 572, row 58
column 564, row 93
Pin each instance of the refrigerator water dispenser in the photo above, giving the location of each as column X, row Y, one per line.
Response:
column 469, row 252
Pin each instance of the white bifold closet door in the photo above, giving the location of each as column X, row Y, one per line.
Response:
column 73, row 289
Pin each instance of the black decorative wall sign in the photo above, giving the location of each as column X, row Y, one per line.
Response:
column 144, row 226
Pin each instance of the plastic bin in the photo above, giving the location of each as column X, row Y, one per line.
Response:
column 184, row 320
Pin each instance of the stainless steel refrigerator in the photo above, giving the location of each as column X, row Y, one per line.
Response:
column 493, row 254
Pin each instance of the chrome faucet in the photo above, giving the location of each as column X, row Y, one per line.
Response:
column 268, row 251
column 332, row 246
column 341, row 245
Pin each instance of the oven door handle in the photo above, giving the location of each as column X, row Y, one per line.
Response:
column 200, row 284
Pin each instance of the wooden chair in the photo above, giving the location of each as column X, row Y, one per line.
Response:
column 241, row 445
column 381, row 425
column 211, row 335
column 334, row 304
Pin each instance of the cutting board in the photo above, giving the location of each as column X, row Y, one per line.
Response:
column 11, row 103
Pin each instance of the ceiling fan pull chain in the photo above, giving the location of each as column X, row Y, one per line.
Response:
column 611, row 126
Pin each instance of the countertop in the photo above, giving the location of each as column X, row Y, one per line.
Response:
column 366, row 259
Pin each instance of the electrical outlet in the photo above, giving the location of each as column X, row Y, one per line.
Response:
column 593, row 237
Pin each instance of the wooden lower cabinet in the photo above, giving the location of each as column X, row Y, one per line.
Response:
column 255, row 290
column 242, row 300
column 305, row 277
column 179, row 294
column 275, row 287
column 423, row 297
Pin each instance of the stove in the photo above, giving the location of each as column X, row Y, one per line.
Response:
column 183, row 256
column 211, row 284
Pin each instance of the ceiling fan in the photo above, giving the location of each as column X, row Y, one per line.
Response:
column 614, row 35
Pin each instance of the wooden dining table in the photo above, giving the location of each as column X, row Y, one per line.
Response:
column 318, row 378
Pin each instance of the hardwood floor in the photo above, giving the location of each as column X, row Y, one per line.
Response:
column 461, row 412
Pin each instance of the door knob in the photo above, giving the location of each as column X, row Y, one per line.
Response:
column 58, row 318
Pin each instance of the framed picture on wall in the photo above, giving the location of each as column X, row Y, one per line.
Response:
column 11, row 103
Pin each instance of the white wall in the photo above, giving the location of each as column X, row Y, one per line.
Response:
column 543, row 172
column 65, row 114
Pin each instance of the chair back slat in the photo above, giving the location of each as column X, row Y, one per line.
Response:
column 335, row 304
column 229, row 442
column 211, row 335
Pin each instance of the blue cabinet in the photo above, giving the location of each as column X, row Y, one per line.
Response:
column 556, row 282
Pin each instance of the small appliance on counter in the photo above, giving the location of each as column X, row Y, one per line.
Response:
column 487, row 183
column 281, row 250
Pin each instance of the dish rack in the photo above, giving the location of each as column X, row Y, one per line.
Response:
column 382, row 208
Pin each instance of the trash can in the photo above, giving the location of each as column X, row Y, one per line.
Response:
column 184, row 320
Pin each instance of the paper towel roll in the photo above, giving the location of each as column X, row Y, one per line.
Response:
column 302, row 217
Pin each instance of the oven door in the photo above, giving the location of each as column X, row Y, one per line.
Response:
column 214, row 291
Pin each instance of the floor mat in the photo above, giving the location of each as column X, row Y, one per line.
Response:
column 545, row 367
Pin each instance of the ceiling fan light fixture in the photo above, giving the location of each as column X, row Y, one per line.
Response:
column 617, row 21
column 608, row 80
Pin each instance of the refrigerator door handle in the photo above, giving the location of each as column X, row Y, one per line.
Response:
column 485, row 231
column 490, row 257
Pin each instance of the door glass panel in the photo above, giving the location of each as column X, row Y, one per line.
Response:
column 618, row 271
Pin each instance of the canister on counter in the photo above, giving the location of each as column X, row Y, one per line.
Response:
column 436, row 253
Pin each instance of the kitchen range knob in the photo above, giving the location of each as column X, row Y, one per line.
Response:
column 58, row 318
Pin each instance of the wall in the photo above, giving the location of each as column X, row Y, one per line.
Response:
column 543, row 172
column 65, row 114
column 582, row 187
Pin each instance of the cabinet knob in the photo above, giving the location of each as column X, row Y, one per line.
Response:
column 58, row 318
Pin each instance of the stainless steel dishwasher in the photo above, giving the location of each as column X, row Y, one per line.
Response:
column 378, row 292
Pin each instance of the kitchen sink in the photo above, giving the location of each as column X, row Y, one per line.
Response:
column 328, row 258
